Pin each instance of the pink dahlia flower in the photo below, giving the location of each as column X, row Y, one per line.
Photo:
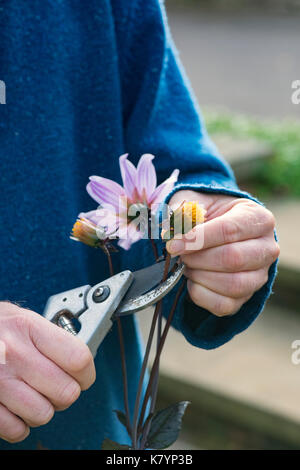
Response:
column 139, row 191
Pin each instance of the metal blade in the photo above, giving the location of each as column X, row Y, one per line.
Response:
column 147, row 288
column 147, row 278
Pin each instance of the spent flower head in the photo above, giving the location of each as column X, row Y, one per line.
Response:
column 182, row 219
column 87, row 232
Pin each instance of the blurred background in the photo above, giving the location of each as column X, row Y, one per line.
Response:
column 241, row 58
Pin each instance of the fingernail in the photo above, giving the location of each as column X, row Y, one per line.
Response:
column 176, row 246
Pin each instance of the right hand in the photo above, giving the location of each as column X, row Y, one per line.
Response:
column 45, row 370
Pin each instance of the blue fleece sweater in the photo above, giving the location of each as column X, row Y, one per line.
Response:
column 87, row 82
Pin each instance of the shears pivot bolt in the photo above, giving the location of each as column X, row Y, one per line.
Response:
column 101, row 294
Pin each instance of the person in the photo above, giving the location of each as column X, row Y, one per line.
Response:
column 85, row 83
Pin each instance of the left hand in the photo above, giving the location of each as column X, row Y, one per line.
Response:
column 236, row 249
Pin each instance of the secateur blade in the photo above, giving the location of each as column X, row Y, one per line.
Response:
column 147, row 288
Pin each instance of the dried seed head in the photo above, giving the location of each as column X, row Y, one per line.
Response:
column 183, row 219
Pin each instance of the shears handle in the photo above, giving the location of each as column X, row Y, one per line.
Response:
column 93, row 307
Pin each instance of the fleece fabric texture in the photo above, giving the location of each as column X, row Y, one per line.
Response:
column 87, row 82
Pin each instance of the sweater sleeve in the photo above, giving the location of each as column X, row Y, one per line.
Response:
column 161, row 116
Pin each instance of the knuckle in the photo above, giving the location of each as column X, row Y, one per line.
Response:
column 229, row 229
column 193, row 291
column 22, row 321
column 250, row 203
column 10, row 307
column 232, row 257
column 189, row 260
column 224, row 306
column 237, row 284
column 43, row 416
column 270, row 252
column 18, row 434
column 14, row 350
column 275, row 251
column 268, row 219
column 68, row 394
column 263, row 278
column 257, row 281
column 81, row 360
column 259, row 215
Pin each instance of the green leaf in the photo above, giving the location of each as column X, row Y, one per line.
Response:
column 108, row 444
column 166, row 425
column 121, row 417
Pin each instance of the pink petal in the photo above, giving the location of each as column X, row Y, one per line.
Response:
column 129, row 175
column 133, row 233
column 121, row 209
column 164, row 188
column 130, row 236
column 109, row 221
column 104, row 190
column 125, row 243
column 146, row 176
column 92, row 216
column 102, row 218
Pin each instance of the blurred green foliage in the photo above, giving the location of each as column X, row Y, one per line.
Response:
column 279, row 175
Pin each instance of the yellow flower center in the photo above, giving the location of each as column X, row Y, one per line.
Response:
column 77, row 228
column 194, row 212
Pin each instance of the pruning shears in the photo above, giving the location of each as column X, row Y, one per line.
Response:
column 96, row 308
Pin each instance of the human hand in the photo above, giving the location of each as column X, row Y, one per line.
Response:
column 231, row 254
column 42, row 369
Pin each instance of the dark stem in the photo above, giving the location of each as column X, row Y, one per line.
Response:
column 124, row 374
column 135, row 430
column 156, row 320
column 110, row 264
column 122, row 350
column 156, row 364
column 156, row 378
column 157, row 314
column 159, row 323
column 153, row 244
column 159, row 328
column 167, row 265
column 141, row 379
column 154, row 248
column 155, row 385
